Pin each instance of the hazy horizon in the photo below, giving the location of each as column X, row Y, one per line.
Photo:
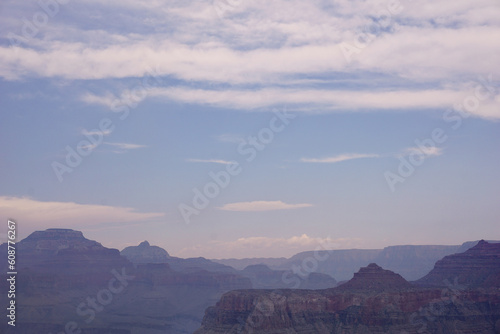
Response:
column 251, row 129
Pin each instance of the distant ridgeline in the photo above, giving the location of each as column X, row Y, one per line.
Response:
column 460, row 295
column 67, row 283
column 411, row 262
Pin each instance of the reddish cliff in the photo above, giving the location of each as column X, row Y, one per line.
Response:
column 373, row 301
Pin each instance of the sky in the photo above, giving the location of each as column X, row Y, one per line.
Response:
column 237, row 128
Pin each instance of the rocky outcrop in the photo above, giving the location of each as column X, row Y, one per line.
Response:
column 63, row 259
column 145, row 253
column 373, row 278
column 477, row 267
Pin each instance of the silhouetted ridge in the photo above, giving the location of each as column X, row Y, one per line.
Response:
column 478, row 266
column 145, row 253
column 374, row 277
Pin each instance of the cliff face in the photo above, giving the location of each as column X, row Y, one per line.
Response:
column 477, row 267
column 373, row 301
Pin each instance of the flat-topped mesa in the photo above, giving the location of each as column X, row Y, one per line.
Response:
column 145, row 253
column 374, row 278
column 64, row 258
column 54, row 240
column 478, row 266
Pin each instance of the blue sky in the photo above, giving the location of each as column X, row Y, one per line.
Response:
column 355, row 124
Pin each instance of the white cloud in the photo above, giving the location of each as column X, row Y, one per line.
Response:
column 125, row 146
column 229, row 138
column 262, row 206
column 105, row 100
column 265, row 44
column 33, row 215
column 215, row 161
column 96, row 132
column 428, row 151
column 325, row 100
column 340, row 158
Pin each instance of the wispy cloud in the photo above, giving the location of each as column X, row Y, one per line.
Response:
column 214, row 161
column 426, row 151
column 125, row 146
column 104, row 100
column 229, row 138
column 262, row 206
column 429, row 151
column 35, row 214
column 96, row 132
column 339, row 158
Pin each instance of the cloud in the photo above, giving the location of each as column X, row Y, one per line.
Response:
column 106, row 100
column 263, row 246
column 125, row 146
column 33, row 214
column 265, row 54
column 215, row 161
column 262, row 206
column 229, row 138
column 428, row 151
column 340, row 158
column 323, row 100
column 96, row 132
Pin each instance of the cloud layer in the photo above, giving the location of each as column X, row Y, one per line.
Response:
column 262, row 206
column 255, row 54
column 33, row 215
column 339, row 158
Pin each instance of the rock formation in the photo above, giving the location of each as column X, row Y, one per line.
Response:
column 145, row 253
column 373, row 301
column 476, row 267
column 64, row 278
column 373, row 278
column 410, row 261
